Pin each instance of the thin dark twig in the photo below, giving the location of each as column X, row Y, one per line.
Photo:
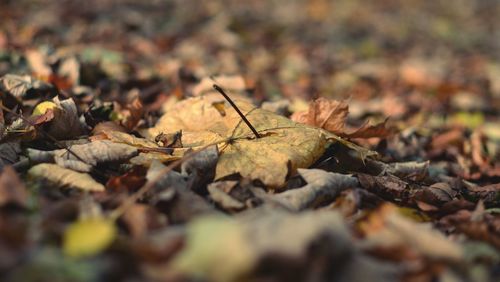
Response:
column 216, row 87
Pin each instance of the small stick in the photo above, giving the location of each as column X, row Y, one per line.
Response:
column 218, row 88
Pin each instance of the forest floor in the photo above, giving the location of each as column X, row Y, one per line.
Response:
column 359, row 140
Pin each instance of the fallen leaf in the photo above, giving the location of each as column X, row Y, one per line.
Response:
column 9, row 153
column 129, row 114
column 388, row 228
column 367, row 130
column 172, row 196
column 324, row 113
column 322, row 187
column 284, row 147
column 437, row 194
column 87, row 155
column 141, row 219
column 219, row 195
column 261, row 236
column 489, row 194
column 21, row 87
column 387, row 186
column 66, row 123
column 64, row 178
column 88, row 237
column 12, row 190
column 212, row 242
column 125, row 138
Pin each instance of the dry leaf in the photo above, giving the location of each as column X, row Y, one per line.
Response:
column 388, row 228
column 219, row 196
column 21, row 86
column 125, row 138
column 65, row 124
column 9, row 153
column 324, row 113
column 321, row 188
column 367, row 130
column 88, row 237
column 12, row 190
column 89, row 155
column 284, row 147
column 272, row 237
column 64, row 178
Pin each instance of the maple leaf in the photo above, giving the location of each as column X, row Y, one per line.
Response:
column 284, row 146
column 331, row 115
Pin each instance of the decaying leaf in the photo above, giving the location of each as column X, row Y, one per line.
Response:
column 173, row 197
column 241, row 244
column 211, row 242
column 367, row 130
column 219, row 195
column 88, row 237
column 64, row 178
column 331, row 115
column 21, row 86
column 324, row 113
column 87, row 155
column 321, row 187
column 284, row 146
column 12, row 190
column 9, row 153
column 125, row 138
column 65, row 124
column 388, row 228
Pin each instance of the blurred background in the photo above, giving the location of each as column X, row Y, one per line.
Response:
column 308, row 48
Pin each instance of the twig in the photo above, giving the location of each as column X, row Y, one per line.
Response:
column 216, row 87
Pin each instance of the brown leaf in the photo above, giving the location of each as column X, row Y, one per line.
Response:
column 87, row 155
column 388, row 228
column 141, row 219
column 9, row 153
column 324, row 113
column 437, row 194
column 367, row 130
column 219, row 194
column 130, row 181
column 489, row 194
column 322, row 187
column 64, row 178
column 12, row 190
column 388, row 187
column 130, row 114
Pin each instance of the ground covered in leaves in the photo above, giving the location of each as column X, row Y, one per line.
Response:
column 373, row 151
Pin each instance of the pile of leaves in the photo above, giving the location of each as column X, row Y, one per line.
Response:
column 231, row 142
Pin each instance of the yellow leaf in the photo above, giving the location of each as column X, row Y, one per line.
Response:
column 43, row 107
column 88, row 237
column 216, row 248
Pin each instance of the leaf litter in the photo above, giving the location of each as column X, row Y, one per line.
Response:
column 369, row 156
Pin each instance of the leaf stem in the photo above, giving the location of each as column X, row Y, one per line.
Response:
column 218, row 88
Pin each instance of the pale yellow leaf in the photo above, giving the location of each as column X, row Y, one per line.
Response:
column 88, row 237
